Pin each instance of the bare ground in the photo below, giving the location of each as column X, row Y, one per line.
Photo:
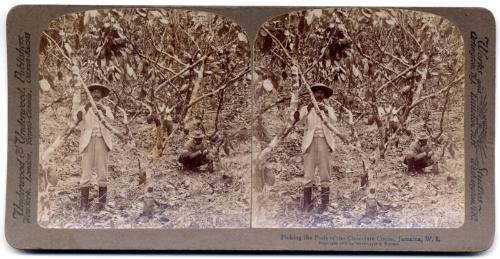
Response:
column 180, row 199
column 402, row 201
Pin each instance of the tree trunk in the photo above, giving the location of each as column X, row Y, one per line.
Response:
column 159, row 144
column 193, row 110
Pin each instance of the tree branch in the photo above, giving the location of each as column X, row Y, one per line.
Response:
column 169, row 55
column 282, row 100
column 222, row 87
column 294, row 62
column 360, row 50
column 441, row 121
column 411, row 35
column 392, row 55
column 323, row 52
column 217, row 113
column 450, row 85
column 400, row 75
column 58, row 47
column 87, row 92
column 58, row 100
column 155, row 63
column 262, row 156
column 190, row 37
column 180, row 73
column 308, row 87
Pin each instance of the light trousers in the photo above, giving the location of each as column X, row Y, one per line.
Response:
column 317, row 155
column 95, row 156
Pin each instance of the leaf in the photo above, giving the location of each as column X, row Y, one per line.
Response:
column 294, row 99
column 117, row 12
column 98, row 50
column 366, row 12
column 242, row 37
column 156, row 14
column 366, row 66
column 130, row 71
column 342, row 27
column 406, row 89
column 268, row 85
column 404, row 59
column 52, row 176
column 68, row 48
column 45, row 85
column 391, row 21
column 184, row 87
column 342, row 76
column 92, row 13
column 86, row 18
column 117, row 76
column 328, row 63
column 309, row 17
column 382, row 15
column 142, row 12
column 317, row 13
column 164, row 21
column 451, row 149
column 226, row 148
column 356, row 72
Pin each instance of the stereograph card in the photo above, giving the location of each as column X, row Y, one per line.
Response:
column 250, row 128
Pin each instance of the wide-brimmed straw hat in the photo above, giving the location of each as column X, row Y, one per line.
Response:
column 104, row 90
column 327, row 90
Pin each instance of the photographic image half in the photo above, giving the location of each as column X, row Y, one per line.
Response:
column 358, row 120
column 145, row 119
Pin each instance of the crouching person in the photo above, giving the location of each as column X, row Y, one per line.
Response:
column 196, row 153
column 420, row 156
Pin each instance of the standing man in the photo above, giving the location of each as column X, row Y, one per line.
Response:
column 95, row 144
column 317, row 145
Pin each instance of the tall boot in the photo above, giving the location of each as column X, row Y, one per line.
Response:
column 307, row 199
column 102, row 197
column 84, row 202
column 325, row 199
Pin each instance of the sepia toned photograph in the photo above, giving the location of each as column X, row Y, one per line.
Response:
column 250, row 128
column 145, row 119
column 358, row 120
